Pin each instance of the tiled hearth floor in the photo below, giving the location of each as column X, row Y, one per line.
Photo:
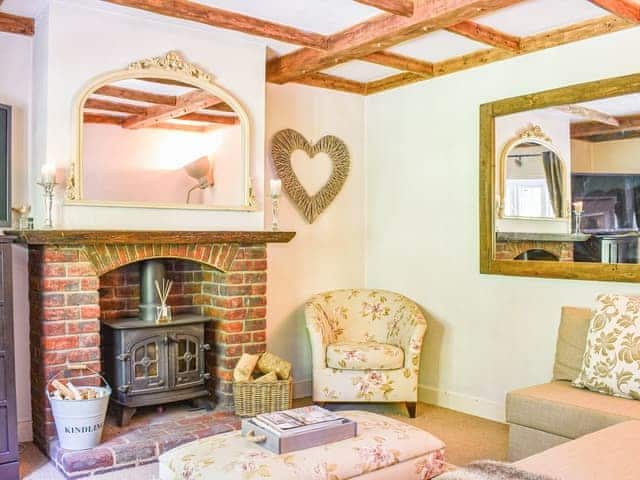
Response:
column 468, row 438
column 148, row 435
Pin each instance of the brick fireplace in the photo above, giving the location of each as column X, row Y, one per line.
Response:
column 78, row 278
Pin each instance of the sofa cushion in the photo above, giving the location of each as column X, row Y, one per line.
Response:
column 563, row 410
column 364, row 356
column 572, row 340
column 611, row 362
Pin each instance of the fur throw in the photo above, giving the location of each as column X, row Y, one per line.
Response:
column 488, row 470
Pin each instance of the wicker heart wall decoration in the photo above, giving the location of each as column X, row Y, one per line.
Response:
column 287, row 141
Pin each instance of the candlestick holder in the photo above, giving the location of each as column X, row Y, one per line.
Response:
column 578, row 221
column 48, row 188
column 275, row 212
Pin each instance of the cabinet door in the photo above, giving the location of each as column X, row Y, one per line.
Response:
column 187, row 360
column 148, row 366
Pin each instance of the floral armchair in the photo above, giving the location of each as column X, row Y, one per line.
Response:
column 365, row 346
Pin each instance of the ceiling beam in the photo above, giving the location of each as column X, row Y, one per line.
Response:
column 379, row 33
column 486, row 35
column 400, row 62
column 182, row 127
column 215, row 17
column 392, row 81
column 204, row 117
column 590, row 114
column 396, row 7
column 102, row 118
column 136, row 95
column 187, row 103
column 221, row 107
column 99, row 104
column 626, row 9
column 332, row 82
column 167, row 81
column 561, row 36
column 587, row 129
column 16, row 24
column 610, row 137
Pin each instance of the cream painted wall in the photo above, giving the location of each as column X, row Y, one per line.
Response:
column 487, row 334
column 329, row 253
column 15, row 90
column 68, row 62
column 616, row 156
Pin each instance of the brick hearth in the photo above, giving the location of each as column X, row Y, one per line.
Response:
column 73, row 286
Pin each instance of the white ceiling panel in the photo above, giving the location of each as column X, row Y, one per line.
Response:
column 24, row 8
column 320, row 16
column 438, row 46
column 536, row 16
column 361, row 71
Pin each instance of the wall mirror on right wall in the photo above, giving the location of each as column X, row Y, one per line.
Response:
column 560, row 183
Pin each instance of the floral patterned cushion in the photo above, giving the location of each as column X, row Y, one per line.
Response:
column 381, row 443
column 611, row 363
column 364, row 356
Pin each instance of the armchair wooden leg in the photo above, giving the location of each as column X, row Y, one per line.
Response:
column 411, row 408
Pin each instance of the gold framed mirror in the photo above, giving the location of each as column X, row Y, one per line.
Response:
column 160, row 134
column 591, row 132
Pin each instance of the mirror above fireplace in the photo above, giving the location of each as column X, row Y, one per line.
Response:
column 560, row 183
column 160, row 134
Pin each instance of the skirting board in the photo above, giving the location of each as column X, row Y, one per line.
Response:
column 479, row 407
column 25, row 431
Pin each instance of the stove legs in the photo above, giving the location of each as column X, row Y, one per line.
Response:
column 202, row 403
column 125, row 414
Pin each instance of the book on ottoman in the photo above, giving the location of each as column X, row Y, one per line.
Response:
column 297, row 429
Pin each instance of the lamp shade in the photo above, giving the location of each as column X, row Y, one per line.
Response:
column 198, row 168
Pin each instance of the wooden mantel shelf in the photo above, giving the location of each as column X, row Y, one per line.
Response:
column 81, row 237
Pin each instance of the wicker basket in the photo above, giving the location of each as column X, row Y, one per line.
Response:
column 253, row 398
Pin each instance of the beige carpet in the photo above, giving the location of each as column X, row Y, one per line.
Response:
column 467, row 437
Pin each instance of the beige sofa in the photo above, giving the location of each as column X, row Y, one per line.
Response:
column 543, row 416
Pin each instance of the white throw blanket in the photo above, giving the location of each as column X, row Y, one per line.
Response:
column 488, row 470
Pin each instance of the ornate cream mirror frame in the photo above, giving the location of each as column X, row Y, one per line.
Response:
column 532, row 134
column 171, row 66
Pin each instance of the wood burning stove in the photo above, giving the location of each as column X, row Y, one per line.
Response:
column 148, row 363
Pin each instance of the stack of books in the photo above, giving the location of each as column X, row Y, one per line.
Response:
column 298, row 428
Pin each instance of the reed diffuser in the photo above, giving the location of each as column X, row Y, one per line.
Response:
column 163, row 311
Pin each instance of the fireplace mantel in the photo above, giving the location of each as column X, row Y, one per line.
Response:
column 114, row 237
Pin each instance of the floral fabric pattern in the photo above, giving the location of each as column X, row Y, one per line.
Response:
column 611, row 363
column 381, row 443
column 364, row 356
column 366, row 345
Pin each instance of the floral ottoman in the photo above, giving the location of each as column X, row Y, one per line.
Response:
column 384, row 448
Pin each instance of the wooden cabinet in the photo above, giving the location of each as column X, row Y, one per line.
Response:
column 8, row 415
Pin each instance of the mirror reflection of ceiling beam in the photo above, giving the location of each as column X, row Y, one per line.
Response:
column 396, row 7
column 106, row 119
column 99, row 104
column 187, row 103
column 203, row 117
column 626, row 9
column 136, row 95
column 585, row 130
column 103, row 118
column 590, row 114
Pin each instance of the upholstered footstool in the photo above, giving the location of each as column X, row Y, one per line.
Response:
column 383, row 449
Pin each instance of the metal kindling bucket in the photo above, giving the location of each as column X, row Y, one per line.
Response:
column 79, row 423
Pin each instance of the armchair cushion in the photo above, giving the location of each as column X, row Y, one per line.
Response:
column 364, row 356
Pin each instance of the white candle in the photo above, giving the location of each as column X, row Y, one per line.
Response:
column 48, row 173
column 276, row 187
column 577, row 207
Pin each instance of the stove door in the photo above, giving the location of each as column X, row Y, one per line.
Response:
column 148, row 366
column 188, row 360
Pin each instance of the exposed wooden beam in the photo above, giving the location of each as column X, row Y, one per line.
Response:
column 197, row 12
column 16, row 24
column 332, row 82
column 626, row 9
column 187, row 103
column 400, row 62
column 590, row 114
column 167, row 81
column 203, row 117
column 379, row 33
column 221, row 107
column 610, row 137
column 183, row 127
column 561, row 36
column 99, row 104
column 137, row 95
column 396, row 7
column 392, row 81
column 587, row 129
column 89, row 117
column 487, row 35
